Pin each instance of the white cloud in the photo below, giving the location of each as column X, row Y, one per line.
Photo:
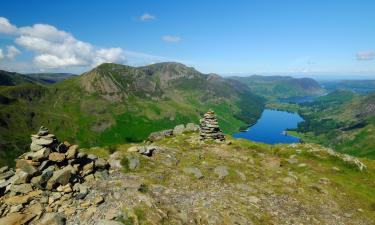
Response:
column 12, row 52
column 6, row 27
column 171, row 39
column 147, row 17
column 55, row 48
column 1, row 54
column 109, row 55
column 366, row 55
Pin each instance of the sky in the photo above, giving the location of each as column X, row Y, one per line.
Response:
column 269, row 37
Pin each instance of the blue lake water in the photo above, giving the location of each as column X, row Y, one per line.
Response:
column 270, row 127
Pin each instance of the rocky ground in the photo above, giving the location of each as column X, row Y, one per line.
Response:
column 182, row 180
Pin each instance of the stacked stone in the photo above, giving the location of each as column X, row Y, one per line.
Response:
column 51, row 170
column 209, row 127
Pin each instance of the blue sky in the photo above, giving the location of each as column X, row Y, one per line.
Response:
column 317, row 37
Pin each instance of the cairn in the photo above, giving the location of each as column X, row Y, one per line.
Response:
column 209, row 127
column 48, row 170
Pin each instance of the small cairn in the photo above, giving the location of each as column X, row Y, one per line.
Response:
column 209, row 127
column 49, row 175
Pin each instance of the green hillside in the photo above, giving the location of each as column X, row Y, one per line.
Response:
column 114, row 104
column 342, row 120
column 12, row 79
column 273, row 87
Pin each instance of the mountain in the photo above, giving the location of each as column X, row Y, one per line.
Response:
column 281, row 86
column 342, row 120
column 114, row 104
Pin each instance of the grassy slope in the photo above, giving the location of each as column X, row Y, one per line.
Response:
column 266, row 167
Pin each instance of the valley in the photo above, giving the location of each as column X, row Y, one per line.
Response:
column 114, row 104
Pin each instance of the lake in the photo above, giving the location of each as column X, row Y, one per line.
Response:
column 271, row 126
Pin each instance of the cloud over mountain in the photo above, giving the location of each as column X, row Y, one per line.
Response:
column 56, row 48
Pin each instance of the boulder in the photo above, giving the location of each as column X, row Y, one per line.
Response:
column 221, row 171
column 194, row 171
column 191, row 127
column 133, row 162
column 59, row 177
column 179, row 129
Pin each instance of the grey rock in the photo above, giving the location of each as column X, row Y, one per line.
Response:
column 40, row 154
column 6, row 174
column 21, row 188
column 81, row 155
column 133, row 162
column 42, row 141
column 53, row 219
column 44, row 177
column 191, row 127
column 101, row 163
column 194, row 171
column 179, row 129
column 115, row 163
column 4, row 169
column 43, row 131
column 221, row 171
column 34, row 147
column 92, row 157
column 59, row 177
column 147, row 150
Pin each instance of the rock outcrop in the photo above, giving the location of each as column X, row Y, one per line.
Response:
column 177, row 130
column 50, row 174
column 209, row 127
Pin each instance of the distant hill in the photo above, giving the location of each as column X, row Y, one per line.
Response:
column 50, row 78
column 358, row 86
column 343, row 120
column 281, row 86
column 13, row 79
column 115, row 103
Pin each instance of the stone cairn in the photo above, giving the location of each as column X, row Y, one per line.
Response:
column 48, row 175
column 209, row 127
